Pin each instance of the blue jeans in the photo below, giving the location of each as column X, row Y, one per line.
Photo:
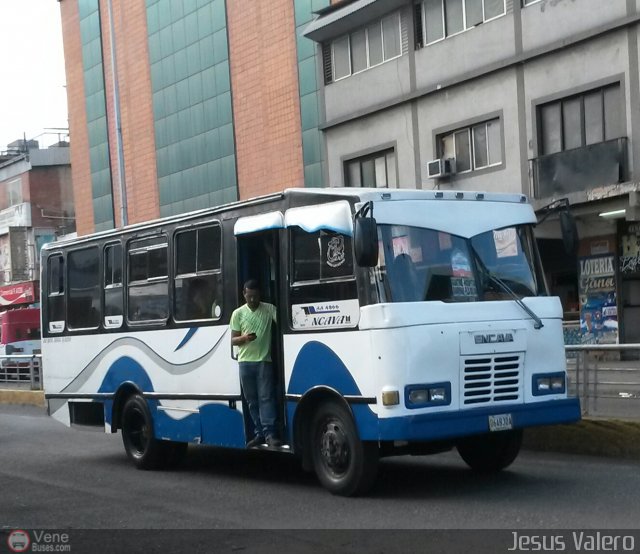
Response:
column 256, row 379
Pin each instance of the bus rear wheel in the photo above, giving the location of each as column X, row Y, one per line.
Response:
column 492, row 452
column 344, row 464
column 140, row 444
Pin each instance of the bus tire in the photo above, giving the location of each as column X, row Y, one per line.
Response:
column 140, row 444
column 344, row 464
column 491, row 452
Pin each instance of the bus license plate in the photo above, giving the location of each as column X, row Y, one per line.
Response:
column 500, row 422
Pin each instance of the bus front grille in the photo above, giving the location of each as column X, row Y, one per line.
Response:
column 492, row 379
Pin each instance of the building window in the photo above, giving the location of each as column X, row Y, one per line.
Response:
column 580, row 120
column 14, row 192
column 375, row 170
column 443, row 18
column 475, row 147
column 529, row 2
column 367, row 47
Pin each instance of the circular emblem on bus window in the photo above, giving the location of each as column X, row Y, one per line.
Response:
column 18, row 541
column 335, row 252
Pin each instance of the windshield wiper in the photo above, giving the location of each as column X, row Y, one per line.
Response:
column 538, row 322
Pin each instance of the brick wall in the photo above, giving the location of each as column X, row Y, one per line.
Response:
column 266, row 102
column 50, row 192
column 80, row 164
column 136, row 110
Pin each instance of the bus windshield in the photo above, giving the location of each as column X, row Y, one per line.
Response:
column 418, row 264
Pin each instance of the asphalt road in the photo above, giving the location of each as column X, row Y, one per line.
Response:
column 57, row 478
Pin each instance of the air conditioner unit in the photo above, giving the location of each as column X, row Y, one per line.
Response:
column 440, row 168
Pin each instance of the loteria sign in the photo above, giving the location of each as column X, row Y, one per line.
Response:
column 22, row 293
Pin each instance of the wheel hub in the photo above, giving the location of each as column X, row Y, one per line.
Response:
column 335, row 448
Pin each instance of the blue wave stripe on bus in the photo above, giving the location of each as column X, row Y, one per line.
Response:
column 317, row 364
column 222, row 426
column 127, row 370
column 187, row 338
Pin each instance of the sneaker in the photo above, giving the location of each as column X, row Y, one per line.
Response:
column 273, row 441
column 255, row 441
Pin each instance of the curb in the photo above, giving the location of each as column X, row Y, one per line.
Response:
column 30, row 397
column 612, row 438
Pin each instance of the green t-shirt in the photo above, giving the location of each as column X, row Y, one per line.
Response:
column 259, row 322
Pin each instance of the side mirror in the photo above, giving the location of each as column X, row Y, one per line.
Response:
column 569, row 232
column 365, row 241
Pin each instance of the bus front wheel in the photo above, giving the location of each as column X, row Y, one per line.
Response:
column 344, row 464
column 140, row 444
column 492, row 452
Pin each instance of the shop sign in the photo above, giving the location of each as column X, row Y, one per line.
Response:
column 630, row 250
column 598, row 309
column 21, row 293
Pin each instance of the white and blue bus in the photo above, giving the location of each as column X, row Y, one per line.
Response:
column 409, row 322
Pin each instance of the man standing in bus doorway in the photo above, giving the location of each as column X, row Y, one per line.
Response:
column 251, row 333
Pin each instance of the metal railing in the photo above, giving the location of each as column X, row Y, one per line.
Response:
column 608, row 388
column 21, row 371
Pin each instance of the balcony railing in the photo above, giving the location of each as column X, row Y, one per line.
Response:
column 604, row 163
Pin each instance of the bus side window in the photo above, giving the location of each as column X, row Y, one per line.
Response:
column 198, row 282
column 148, row 280
column 113, row 301
column 55, row 289
column 322, row 267
column 83, row 304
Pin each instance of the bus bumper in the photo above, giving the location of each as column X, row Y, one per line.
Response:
column 446, row 425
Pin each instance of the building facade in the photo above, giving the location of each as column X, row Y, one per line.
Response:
column 176, row 105
column 180, row 104
column 36, row 206
column 538, row 97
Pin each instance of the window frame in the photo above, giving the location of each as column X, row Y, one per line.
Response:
column 149, row 280
column 378, row 22
column 581, row 96
column 465, row 28
column 320, row 280
column 218, row 271
column 113, row 286
column 60, row 291
column 70, row 253
column 378, row 154
column 469, row 131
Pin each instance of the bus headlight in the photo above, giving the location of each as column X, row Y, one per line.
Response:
column 424, row 396
column 438, row 394
column 548, row 383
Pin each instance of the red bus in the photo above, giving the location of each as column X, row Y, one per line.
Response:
column 20, row 331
